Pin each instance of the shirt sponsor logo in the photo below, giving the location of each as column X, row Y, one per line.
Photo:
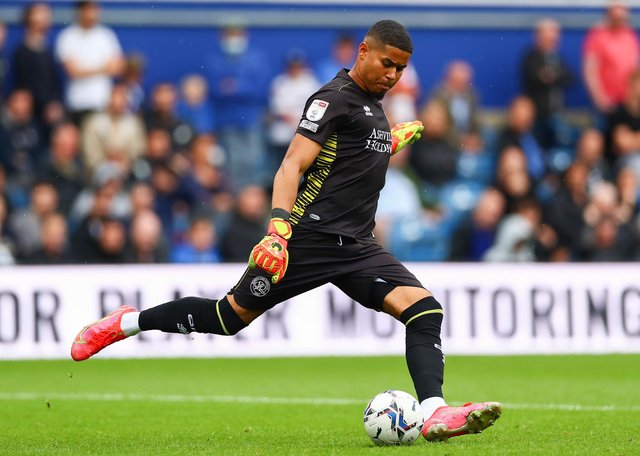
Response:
column 309, row 125
column 314, row 216
column 260, row 286
column 317, row 109
column 379, row 141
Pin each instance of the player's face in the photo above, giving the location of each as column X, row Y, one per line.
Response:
column 382, row 67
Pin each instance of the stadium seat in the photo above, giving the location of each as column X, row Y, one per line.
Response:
column 479, row 167
column 419, row 239
column 491, row 138
column 559, row 158
column 457, row 199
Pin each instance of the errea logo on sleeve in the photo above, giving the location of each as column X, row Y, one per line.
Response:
column 317, row 109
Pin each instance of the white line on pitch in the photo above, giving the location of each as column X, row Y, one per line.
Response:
column 574, row 407
column 176, row 398
column 121, row 397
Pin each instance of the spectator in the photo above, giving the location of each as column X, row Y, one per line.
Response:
column 605, row 203
column 158, row 149
column 401, row 102
column 239, row 76
column 132, row 76
column 111, row 243
column 173, row 201
column 200, row 245
column 20, row 139
column 246, row 226
column 114, row 134
column 514, row 241
column 208, row 185
column 289, row 90
column 343, row 55
column 610, row 54
column 512, row 178
column 477, row 233
column 609, row 240
column 54, row 248
column 590, row 151
column 84, row 238
column 624, row 129
column 628, row 189
column 519, row 132
column 399, row 198
column 564, row 213
column 4, row 64
column 432, row 157
column 34, row 65
column 147, row 243
column 457, row 94
column 110, row 178
column 545, row 75
column 142, row 198
column 91, row 55
column 7, row 193
column 522, row 237
column 26, row 223
column 194, row 106
column 64, row 169
column 3, row 186
column 6, row 245
column 162, row 114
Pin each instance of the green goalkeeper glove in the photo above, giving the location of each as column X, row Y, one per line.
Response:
column 405, row 133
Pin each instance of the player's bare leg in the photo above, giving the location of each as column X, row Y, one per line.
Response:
column 422, row 315
column 185, row 315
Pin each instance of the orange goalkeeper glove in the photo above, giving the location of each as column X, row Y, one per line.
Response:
column 271, row 253
column 405, row 133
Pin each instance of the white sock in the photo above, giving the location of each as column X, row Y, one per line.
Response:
column 129, row 323
column 430, row 405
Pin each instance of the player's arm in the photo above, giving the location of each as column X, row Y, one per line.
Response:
column 300, row 156
column 271, row 253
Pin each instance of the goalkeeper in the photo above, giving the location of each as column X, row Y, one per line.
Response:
column 323, row 232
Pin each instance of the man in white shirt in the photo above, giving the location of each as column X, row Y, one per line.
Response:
column 289, row 91
column 91, row 55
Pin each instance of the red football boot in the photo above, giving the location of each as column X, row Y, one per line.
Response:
column 448, row 421
column 99, row 334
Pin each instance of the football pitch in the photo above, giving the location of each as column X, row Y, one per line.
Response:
column 552, row 405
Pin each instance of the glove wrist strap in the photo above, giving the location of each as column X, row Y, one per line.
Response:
column 279, row 225
column 277, row 212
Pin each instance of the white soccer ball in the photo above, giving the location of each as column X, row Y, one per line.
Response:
column 393, row 418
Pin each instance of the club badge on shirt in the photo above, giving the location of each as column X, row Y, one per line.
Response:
column 317, row 109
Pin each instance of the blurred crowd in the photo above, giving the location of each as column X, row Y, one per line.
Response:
column 96, row 169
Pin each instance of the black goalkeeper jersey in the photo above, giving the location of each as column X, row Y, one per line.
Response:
column 340, row 190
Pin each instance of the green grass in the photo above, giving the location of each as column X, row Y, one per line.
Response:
column 59, row 415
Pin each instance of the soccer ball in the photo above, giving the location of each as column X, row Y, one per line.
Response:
column 393, row 418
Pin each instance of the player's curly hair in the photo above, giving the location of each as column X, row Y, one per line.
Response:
column 392, row 33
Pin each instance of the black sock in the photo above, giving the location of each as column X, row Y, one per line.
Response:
column 425, row 359
column 192, row 314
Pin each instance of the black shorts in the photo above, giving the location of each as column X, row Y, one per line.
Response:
column 353, row 265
